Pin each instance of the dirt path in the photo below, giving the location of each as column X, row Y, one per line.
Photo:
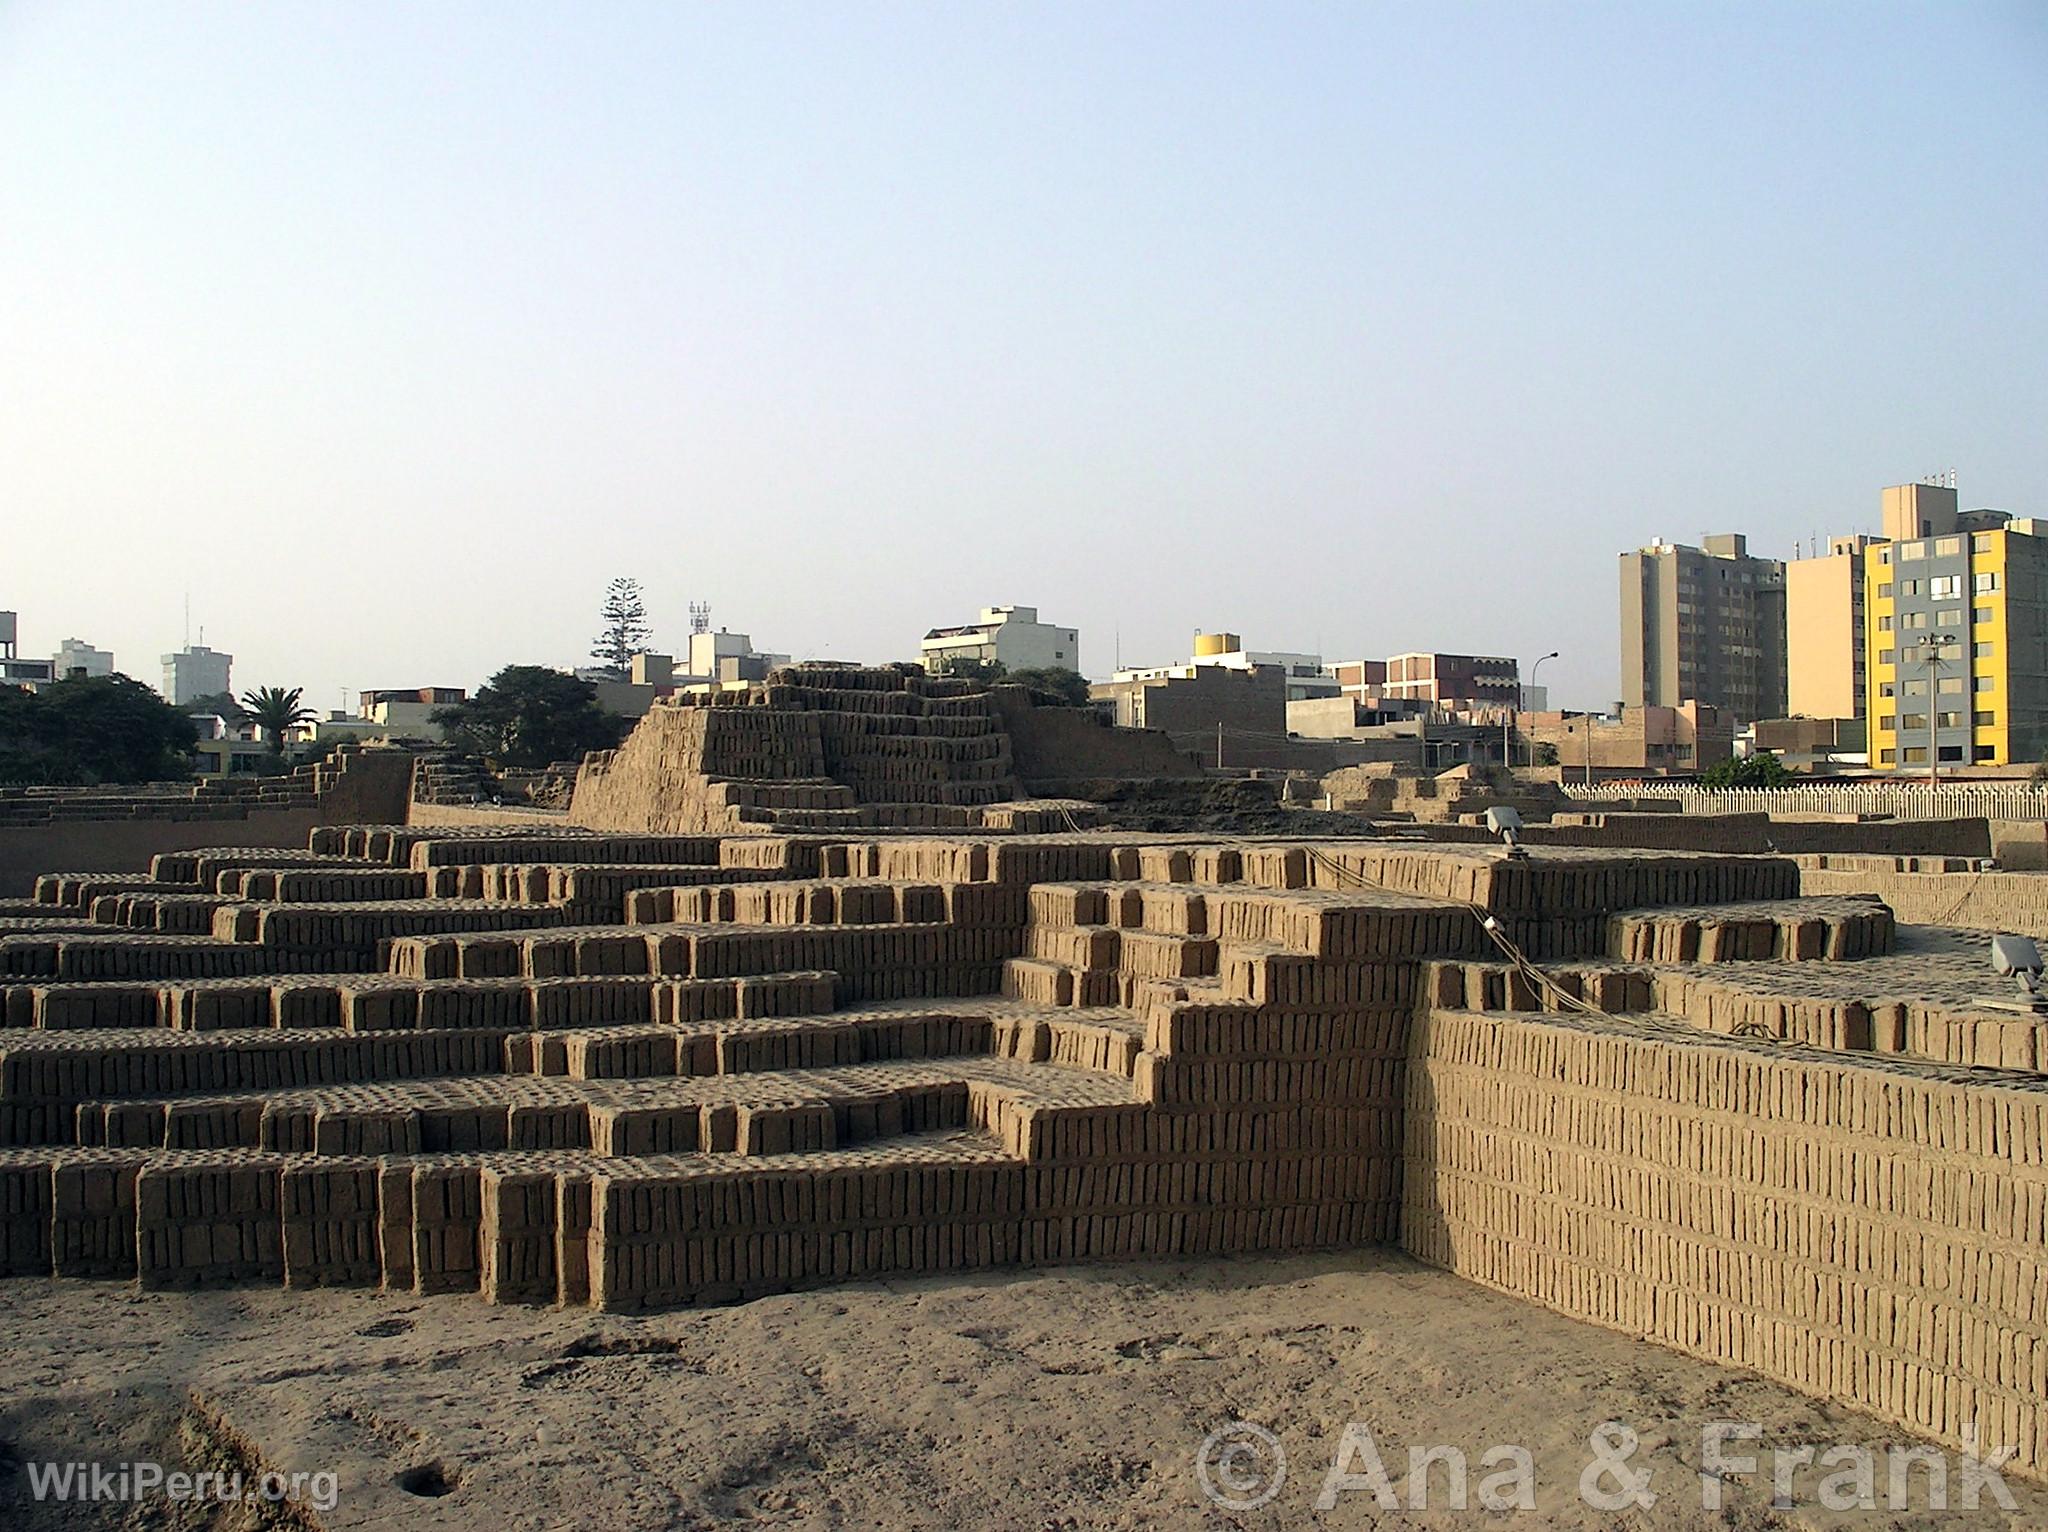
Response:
column 1070, row 1398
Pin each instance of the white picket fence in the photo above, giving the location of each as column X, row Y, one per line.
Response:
column 1900, row 800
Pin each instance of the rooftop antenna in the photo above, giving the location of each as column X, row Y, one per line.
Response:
column 700, row 617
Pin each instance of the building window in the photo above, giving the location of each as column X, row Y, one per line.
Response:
column 1915, row 688
column 1947, row 545
column 1887, row 656
column 1912, row 551
column 1909, row 587
column 1949, row 617
column 1981, row 543
column 1886, row 724
column 1886, row 756
column 1948, row 720
column 1884, row 555
column 1985, row 581
column 1887, row 689
column 1983, row 651
column 1985, row 684
column 1884, row 593
column 1884, row 623
column 1910, row 721
column 1951, row 683
column 1951, row 752
column 1916, row 620
column 1984, row 720
column 1916, row 755
column 1945, row 587
column 1981, row 615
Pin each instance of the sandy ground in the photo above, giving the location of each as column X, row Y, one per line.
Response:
column 1074, row 1398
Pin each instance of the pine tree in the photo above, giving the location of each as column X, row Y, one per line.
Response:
column 625, row 628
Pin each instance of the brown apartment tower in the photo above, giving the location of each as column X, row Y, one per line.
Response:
column 1703, row 624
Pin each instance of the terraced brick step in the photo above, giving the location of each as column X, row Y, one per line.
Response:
column 357, row 926
column 141, row 955
column 754, row 1113
column 1779, row 931
column 872, row 961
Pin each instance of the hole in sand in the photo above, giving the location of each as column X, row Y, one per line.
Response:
column 429, row 1479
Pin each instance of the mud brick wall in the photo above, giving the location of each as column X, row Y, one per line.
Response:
column 201, row 1225
column 817, row 747
column 1860, row 1233
column 1980, row 901
column 1762, row 833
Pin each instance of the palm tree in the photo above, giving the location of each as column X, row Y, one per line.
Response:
column 276, row 712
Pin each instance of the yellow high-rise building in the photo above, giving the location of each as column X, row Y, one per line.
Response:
column 1956, row 635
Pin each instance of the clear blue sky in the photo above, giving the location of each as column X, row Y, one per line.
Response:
column 392, row 331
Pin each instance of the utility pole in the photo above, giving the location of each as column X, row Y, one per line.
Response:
column 1931, row 651
column 1219, row 744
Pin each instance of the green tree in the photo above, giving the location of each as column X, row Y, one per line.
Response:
column 964, row 669
column 276, row 712
column 529, row 715
column 89, row 730
column 625, row 628
column 1762, row 769
column 220, row 704
column 1053, row 683
column 1546, row 753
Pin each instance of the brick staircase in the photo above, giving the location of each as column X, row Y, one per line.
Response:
column 633, row 1070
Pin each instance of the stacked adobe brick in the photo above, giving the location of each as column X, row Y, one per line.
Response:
column 630, row 1070
column 818, row 747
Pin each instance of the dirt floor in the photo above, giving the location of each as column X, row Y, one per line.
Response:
column 1072, row 1398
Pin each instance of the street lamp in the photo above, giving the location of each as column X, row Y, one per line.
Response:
column 1932, row 657
column 1532, row 686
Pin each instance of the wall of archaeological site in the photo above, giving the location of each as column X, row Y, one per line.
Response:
column 1923, row 894
column 116, row 829
column 1861, row 1230
column 658, row 1063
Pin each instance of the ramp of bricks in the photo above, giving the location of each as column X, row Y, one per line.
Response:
column 628, row 1070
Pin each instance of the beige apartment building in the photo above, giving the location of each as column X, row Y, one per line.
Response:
column 1703, row 624
column 1659, row 739
column 1824, row 649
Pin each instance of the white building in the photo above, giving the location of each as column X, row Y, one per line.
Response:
column 724, row 657
column 1307, row 677
column 1011, row 636
column 75, row 654
column 195, row 672
column 407, row 713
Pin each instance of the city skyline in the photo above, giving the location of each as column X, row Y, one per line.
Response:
column 391, row 336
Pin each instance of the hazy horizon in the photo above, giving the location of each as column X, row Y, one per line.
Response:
column 391, row 333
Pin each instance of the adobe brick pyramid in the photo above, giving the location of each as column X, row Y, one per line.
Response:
column 628, row 1070
column 818, row 747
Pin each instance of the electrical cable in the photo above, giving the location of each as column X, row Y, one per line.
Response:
column 1488, row 922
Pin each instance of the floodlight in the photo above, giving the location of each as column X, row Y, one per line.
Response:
column 1507, row 824
column 2018, row 958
